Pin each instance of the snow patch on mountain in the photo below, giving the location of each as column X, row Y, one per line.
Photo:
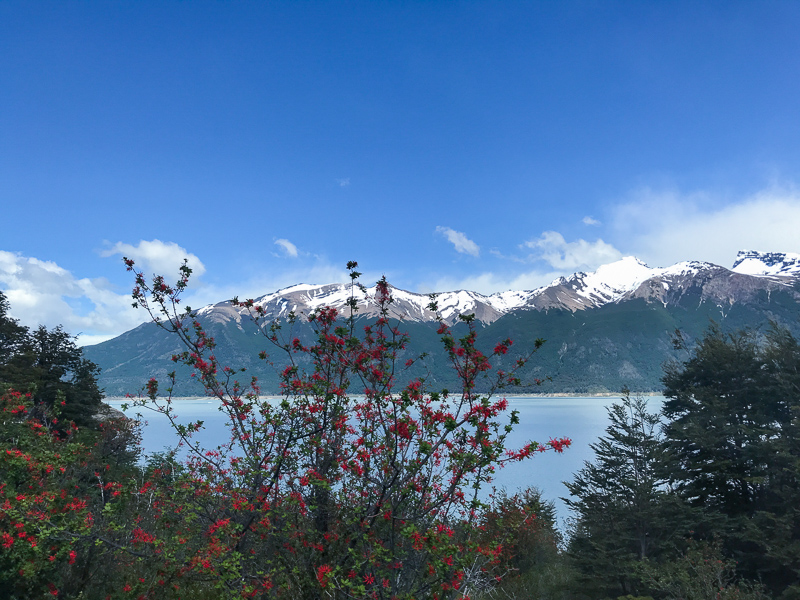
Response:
column 783, row 264
column 511, row 300
column 613, row 280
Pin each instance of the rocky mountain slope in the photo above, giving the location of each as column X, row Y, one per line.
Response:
column 616, row 282
column 606, row 329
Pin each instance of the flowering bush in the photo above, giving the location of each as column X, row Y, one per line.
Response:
column 350, row 485
column 374, row 495
column 60, row 502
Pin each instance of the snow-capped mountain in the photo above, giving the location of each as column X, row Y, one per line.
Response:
column 610, row 283
column 606, row 330
column 630, row 278
column 304, row 299
column 625, row 279
column 781, row 264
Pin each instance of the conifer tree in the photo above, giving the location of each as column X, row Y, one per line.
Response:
column 733, row 449
column 48, row 363
column 13, row 339
column 624, row 516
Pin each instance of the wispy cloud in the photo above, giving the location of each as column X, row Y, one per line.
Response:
column 589, row 220
column 155, row 256
column 43, row 293
column 664, row 227
column 289, row 249
column 562, row 255
column 344, row 182
column 460, row 241
column 491, row 282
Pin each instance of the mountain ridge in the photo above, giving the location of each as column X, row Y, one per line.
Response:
column 608, row 329
column 622, row 280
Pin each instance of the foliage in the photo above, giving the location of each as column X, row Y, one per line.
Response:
column 324, row 493
column 524, row 526
column 699, row 574
column 60, row 494
column 49, row 365
column 12, row 334
column 734, row 452
column 623, row 514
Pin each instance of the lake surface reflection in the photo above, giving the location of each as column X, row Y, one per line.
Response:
column 580, row 418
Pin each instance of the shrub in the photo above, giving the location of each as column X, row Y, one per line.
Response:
column 323, row 492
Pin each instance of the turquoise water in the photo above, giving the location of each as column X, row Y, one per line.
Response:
column 579, row 418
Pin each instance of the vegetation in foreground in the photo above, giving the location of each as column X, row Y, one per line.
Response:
column 326, row 496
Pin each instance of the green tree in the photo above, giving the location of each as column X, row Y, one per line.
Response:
column 623, row 513
column 13, row 343
column 61, row 375
column 529, row 556
column 700, row 573
column 720, row 412
column 779, row 521
column 733, row 448
column 49, row 364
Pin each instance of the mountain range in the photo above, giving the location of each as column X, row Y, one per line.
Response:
column 606, row 330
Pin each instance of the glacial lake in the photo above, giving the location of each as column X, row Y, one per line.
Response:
column 583, row 419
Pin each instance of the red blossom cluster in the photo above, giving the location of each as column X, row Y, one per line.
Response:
column 349, row 477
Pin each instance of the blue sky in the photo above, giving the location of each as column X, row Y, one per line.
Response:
column 481, row 145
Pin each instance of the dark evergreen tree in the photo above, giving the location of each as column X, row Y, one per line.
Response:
column 733, row 448
column 718, row 403
column 63, row 375
column 14, row 342
column 779, row 523
column 623, row 513
column 49, row 364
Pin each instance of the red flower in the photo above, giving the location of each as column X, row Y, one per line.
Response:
column 321, row 573
column 560, row 444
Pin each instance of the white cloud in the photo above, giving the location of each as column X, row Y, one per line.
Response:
column 552, row 248
column 344, row 182
column 43, row 293
column 157, row 257
column 288, row 247
column 589, row 220
column 663, row 228
column 490, row 282
column 461, row 242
